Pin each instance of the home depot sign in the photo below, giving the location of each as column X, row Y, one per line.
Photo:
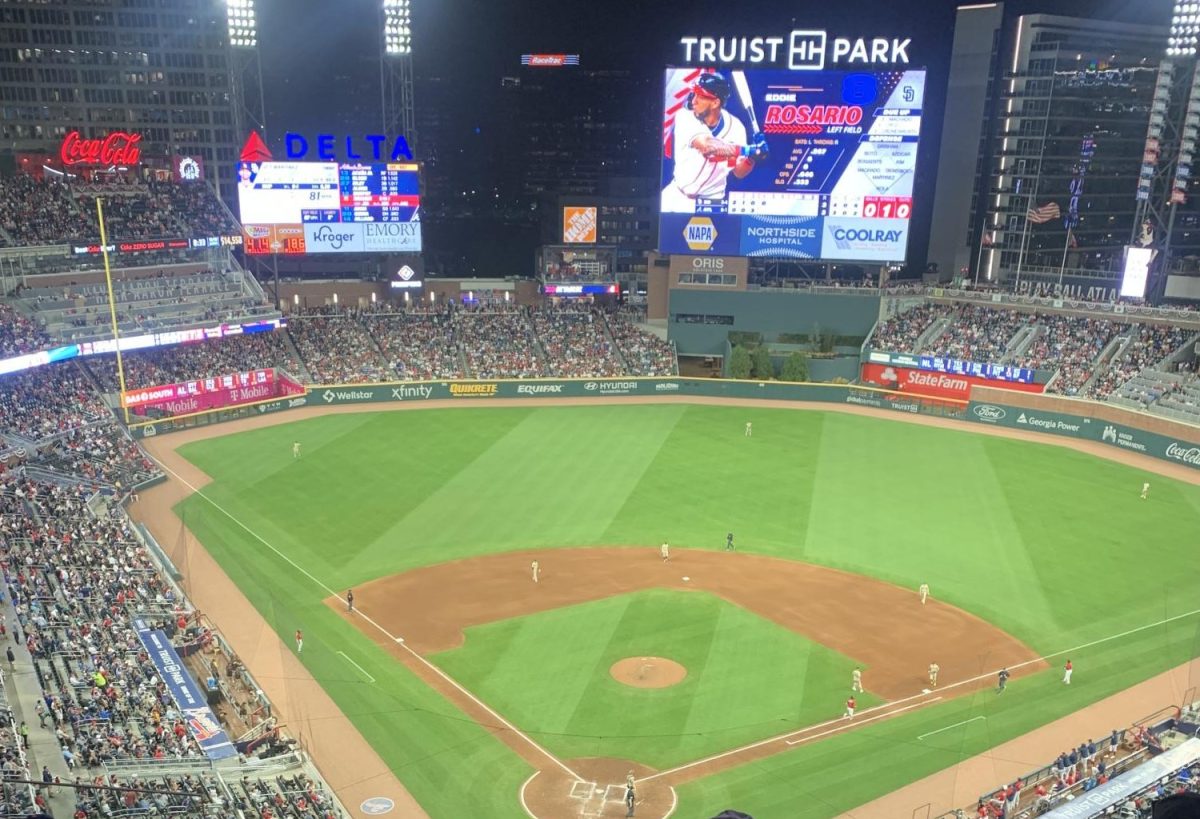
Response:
column 579, row 225
column 936, row 384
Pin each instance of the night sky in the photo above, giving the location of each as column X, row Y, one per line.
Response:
column 321, row 69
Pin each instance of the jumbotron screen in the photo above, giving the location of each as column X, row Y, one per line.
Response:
column 329, row 207
column 783, row 164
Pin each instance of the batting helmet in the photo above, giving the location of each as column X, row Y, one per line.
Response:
column 712, row 85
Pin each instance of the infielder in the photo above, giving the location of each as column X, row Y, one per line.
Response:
column 850, row 705
column 856, row 680
column 1002, row 679
column 299, row 641
column 1145, row 490
column 923, row 590
column 535, row 568
column 934, row 668
column 706, row 146
column 350, row 600
column 749, row 429
column 665, row 551
column 1067, row 671
column 295, row 450
column 729, row 542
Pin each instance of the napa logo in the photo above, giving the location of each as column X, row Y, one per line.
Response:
column 700, row 233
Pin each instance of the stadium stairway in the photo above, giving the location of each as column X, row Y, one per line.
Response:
column 616, row 348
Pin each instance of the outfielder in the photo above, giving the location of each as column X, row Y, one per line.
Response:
column 1145, row 489
column 706, row 146
column 749, row 429
column 299, row 641
column 933, row 672
column 295, row 450
column 729, row 542
column 856, row 680
column 923, row 590
column 1068, row 669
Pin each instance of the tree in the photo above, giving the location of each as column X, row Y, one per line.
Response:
column 739, row 363
column 795, row 368
column 763, row 368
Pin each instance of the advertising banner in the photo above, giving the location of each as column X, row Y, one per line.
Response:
column 758, row 163
column 579, row 225
column 199, row 718
column 997, row 372
column 939, row 384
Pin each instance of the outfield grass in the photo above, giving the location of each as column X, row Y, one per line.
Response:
column 1052, row 545
column 748, row 678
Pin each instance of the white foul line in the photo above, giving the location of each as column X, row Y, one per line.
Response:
column 853, row 723
column 948, row 727
column 391, row 637
column 356, row 665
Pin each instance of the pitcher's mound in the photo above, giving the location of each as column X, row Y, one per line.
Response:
column 648, row 672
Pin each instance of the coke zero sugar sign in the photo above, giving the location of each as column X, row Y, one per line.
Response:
column 118, row 148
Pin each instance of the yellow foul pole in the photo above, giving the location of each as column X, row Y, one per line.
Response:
column 112, row 305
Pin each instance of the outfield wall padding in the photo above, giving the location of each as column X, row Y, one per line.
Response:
column 1052, row 415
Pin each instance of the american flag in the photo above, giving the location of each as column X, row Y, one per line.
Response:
column 1046, row 213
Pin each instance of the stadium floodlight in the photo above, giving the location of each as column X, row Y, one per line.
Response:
column 243, row 23
column 397, row 27
column 1185, row 29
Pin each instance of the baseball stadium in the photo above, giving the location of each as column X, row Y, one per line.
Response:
column 769, row 524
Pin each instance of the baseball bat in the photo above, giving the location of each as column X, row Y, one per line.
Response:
column 743, row 92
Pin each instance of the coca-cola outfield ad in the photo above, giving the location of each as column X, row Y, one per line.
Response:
column 940, row 385
column 119, row 148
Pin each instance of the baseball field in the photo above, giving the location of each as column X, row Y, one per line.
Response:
column 720, row 678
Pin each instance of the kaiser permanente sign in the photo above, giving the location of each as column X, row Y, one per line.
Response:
column 801, row 50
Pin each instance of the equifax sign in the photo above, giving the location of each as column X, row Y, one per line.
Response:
column 806, row 50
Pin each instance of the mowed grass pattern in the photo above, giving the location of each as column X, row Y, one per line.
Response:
column 747, row 678
column 1052, row 545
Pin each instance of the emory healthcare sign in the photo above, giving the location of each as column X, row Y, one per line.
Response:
column 804, row 50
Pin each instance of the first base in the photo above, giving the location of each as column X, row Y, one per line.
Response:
column 686, row 579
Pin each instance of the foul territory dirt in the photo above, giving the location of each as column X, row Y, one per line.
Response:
column 884, row 627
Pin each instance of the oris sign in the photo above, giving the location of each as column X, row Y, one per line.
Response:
column 118, row 148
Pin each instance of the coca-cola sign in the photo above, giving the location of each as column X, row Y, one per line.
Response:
column 118, row 148
column 1186, row 454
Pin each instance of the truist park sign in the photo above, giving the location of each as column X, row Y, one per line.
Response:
column 807, row 50
column 118, row 148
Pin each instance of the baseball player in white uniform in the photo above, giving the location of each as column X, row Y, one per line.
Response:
column 856, row 680
column 536, row 569
column 706, row 147
column 295, row 450
column 665, row 551
column 1145, row 489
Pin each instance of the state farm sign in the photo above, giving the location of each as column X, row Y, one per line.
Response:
column 940, row 385
column 118, row 148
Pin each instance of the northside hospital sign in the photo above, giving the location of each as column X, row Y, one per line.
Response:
column 804, row 50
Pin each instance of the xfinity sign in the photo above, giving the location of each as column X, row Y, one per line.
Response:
column 802, row 50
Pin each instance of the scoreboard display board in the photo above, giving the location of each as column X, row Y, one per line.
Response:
column 329, row 207
column 783, row 164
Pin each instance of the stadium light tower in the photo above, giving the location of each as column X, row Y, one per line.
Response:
column 249, row 105
column 396, row 71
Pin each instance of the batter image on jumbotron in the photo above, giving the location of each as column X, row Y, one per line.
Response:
column 775, row 163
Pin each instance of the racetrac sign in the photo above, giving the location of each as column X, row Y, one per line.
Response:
column 801, row 50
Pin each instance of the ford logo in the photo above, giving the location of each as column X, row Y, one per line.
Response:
column 987, row 412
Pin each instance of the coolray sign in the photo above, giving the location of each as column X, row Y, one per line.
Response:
column 376, row 147
column 118, row 148
column 419, row 391
column 539, row 389
column 853, row 238
column 473, row 389
column 329, row 396
column 801, row 50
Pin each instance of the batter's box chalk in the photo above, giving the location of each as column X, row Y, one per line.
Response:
column 614, row 793
column 582, row 790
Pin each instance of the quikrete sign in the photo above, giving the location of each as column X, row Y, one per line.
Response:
column 375, row 147
column 802, row 50
column 120, row 148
